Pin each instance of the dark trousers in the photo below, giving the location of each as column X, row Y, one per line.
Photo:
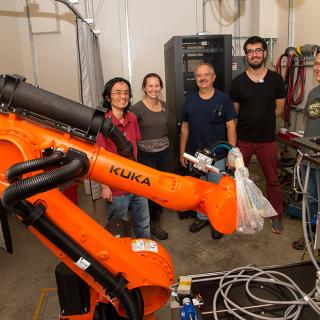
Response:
column 267, row 156
column 156, row 160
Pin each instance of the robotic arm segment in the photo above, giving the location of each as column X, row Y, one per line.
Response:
column 217, row 201
column 45, row 107
column 170, row 190
column 48, row 108
column 149, row 269
column 18, row 169
column 115, row 286
column 42, row 182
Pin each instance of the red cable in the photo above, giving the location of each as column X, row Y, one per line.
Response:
column 294, row 77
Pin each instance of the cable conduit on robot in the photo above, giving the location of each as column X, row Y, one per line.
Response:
column 99, row 272
column 28, row 187
column 18, row 169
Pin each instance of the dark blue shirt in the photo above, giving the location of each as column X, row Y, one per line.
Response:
column 207, row 119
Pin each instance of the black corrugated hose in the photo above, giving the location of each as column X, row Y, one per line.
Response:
column 18, row 169
column 42, row 182
column 104, row 277
column 13, row 199
column 124, row 147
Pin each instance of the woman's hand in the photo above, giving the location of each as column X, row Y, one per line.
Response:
column 106, row 193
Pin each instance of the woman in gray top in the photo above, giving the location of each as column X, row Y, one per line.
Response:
column 153, row 148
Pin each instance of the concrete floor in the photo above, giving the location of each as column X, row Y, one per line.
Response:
column 31, row 268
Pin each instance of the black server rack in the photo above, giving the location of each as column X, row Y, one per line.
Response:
column 182, row 54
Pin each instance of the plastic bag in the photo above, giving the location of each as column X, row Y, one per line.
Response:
column 252, row 206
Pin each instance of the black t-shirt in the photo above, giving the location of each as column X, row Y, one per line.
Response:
column 256, row 116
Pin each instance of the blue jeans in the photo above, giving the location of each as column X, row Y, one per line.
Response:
column 119, row 207
column 312, row 191
column 214, row 178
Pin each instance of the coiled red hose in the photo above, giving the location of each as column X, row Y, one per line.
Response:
column 294, row 78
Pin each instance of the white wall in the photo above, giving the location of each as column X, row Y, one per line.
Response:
column 139, row 44
column 150, row 32
column 54, row 40
column 151, row 23
column 15, row 50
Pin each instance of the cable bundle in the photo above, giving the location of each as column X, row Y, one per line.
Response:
column 250, row 277
column 294, row 77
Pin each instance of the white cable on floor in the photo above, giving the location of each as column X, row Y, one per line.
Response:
column 238, row 275
column 292, row 308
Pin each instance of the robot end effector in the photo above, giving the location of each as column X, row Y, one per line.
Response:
column 219, row 204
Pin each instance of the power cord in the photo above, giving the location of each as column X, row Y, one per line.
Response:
column 250, row 276
column 263, row 277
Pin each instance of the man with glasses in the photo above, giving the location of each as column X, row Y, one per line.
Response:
column 258, row 96
column 208, row 117
column 116, row 99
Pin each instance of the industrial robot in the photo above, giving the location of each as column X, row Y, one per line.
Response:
column 46, row 141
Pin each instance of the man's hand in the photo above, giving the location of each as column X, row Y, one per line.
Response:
column 106, row 193
column 184, row 162
column 184, row 134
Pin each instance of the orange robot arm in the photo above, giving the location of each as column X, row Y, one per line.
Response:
column 143, row 264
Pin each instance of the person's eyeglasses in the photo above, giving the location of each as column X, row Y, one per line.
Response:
column 257, row 51
column 120, row 93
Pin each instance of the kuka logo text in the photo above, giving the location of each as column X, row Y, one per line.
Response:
column 130, row 175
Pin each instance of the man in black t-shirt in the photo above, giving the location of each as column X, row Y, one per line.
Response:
column 258, row 95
